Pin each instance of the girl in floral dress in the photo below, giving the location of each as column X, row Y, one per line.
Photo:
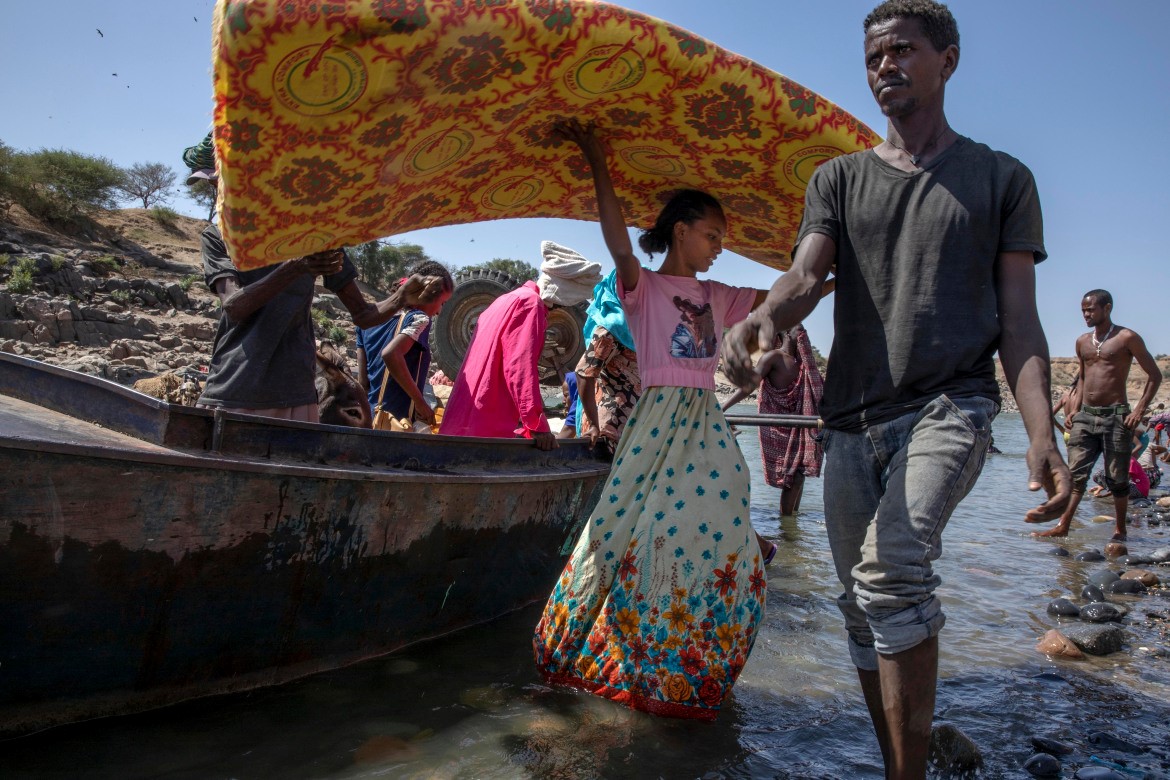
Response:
column 659, row 604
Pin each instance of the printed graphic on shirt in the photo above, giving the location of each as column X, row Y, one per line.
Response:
column 695, row 335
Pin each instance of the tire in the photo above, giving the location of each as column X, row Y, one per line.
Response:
column 475, row 289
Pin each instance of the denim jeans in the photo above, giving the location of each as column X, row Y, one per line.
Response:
column 889, row 492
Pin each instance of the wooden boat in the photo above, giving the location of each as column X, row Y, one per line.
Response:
column 151, row 553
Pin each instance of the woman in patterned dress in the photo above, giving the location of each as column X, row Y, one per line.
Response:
column 660, row 602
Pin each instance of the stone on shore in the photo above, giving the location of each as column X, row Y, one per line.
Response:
column 1056, row 643
column 1043, row 765
column 1092, row 593
column 1063, row 608
column 1096, row 640
column 1059, row 552
column 1128, row 587
column 1116, row 550
column 1101, row 612
column 1104, row 519
column 1051, row 745
column 1161, row 555
column 1144, row 576
column 951, row 749
column 1107, row 741
column 1089, row 555
column 1103, row 578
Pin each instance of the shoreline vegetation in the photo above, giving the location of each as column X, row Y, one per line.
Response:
column 120, row 295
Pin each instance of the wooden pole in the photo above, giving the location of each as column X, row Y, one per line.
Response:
column 776, row 420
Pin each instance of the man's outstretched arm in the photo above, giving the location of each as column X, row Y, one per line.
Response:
column 792, row 298
column 1023, row 351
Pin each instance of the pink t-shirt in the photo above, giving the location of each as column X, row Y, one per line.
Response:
column 677, row 323
column 497, row 392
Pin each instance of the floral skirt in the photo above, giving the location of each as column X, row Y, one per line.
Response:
column 659, row 604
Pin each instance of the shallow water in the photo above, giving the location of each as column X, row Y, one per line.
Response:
column 472, row 705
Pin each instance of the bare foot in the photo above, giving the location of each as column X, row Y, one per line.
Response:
column 1057, row 531
column 1042, row 514
column 1118, row 537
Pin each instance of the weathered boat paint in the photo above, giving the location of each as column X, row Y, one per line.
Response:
column 151, row 553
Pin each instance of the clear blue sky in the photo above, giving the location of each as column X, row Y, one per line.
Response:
column 1076, row 90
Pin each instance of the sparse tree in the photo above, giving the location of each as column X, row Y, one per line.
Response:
column 202, row 192
column 149, row 182
column 59, row 184
column 381, row 264
column 517, row 269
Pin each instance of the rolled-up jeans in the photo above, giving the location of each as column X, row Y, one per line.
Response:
column 889, row 491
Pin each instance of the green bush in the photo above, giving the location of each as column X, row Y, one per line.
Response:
column 106, row 265
column 320, row 318
column 337, row 334
column 122, row 296
column 21, row 281
column 58, row 184
column 165, row 216
column 187, row 281
column 56, row 262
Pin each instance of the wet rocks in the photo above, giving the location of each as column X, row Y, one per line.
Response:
column 1059, row 552
column 1116, row 550
column 1103, row 578
column 1051, row 745
column 1128, row 587
column 1096, row 639
column 1089, row 555
column 1043, row 765
column 951, row 749
column 1161, row 555
column 1063, row 608
column 1103, row 740
column 1136, row 560
column 1144, row 576
column 1101, row 612
column 1092, row 593
column 1055, row 643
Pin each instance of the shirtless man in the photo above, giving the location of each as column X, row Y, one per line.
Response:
column 1099, row 418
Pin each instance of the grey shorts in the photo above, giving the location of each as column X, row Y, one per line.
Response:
column 1093, row 435
column 889, row 492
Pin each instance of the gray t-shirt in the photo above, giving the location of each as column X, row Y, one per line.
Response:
column 268, row 360
column 915, row 313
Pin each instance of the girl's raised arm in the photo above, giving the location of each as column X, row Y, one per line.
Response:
column 609, row 210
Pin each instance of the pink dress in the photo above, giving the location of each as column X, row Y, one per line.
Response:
column 497, row 392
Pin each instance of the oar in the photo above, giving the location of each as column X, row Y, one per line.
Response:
column 776, row 420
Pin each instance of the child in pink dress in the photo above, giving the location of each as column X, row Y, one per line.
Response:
column 659, row 604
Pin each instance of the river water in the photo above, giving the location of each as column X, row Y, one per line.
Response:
column 472, row 706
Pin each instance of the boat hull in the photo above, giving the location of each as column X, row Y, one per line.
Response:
column 134, row 575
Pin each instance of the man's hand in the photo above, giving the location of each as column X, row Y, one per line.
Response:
column 1046, row 469
column 544, row 440
column 425, row 413
column 421, row 289
column 1134, row 418
column 740, row 344
column 322, row 263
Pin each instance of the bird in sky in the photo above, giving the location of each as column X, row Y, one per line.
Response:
column 114, row 74
column 100, row 33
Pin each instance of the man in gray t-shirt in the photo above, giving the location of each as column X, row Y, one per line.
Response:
column 934, row 239
column 263, row 361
